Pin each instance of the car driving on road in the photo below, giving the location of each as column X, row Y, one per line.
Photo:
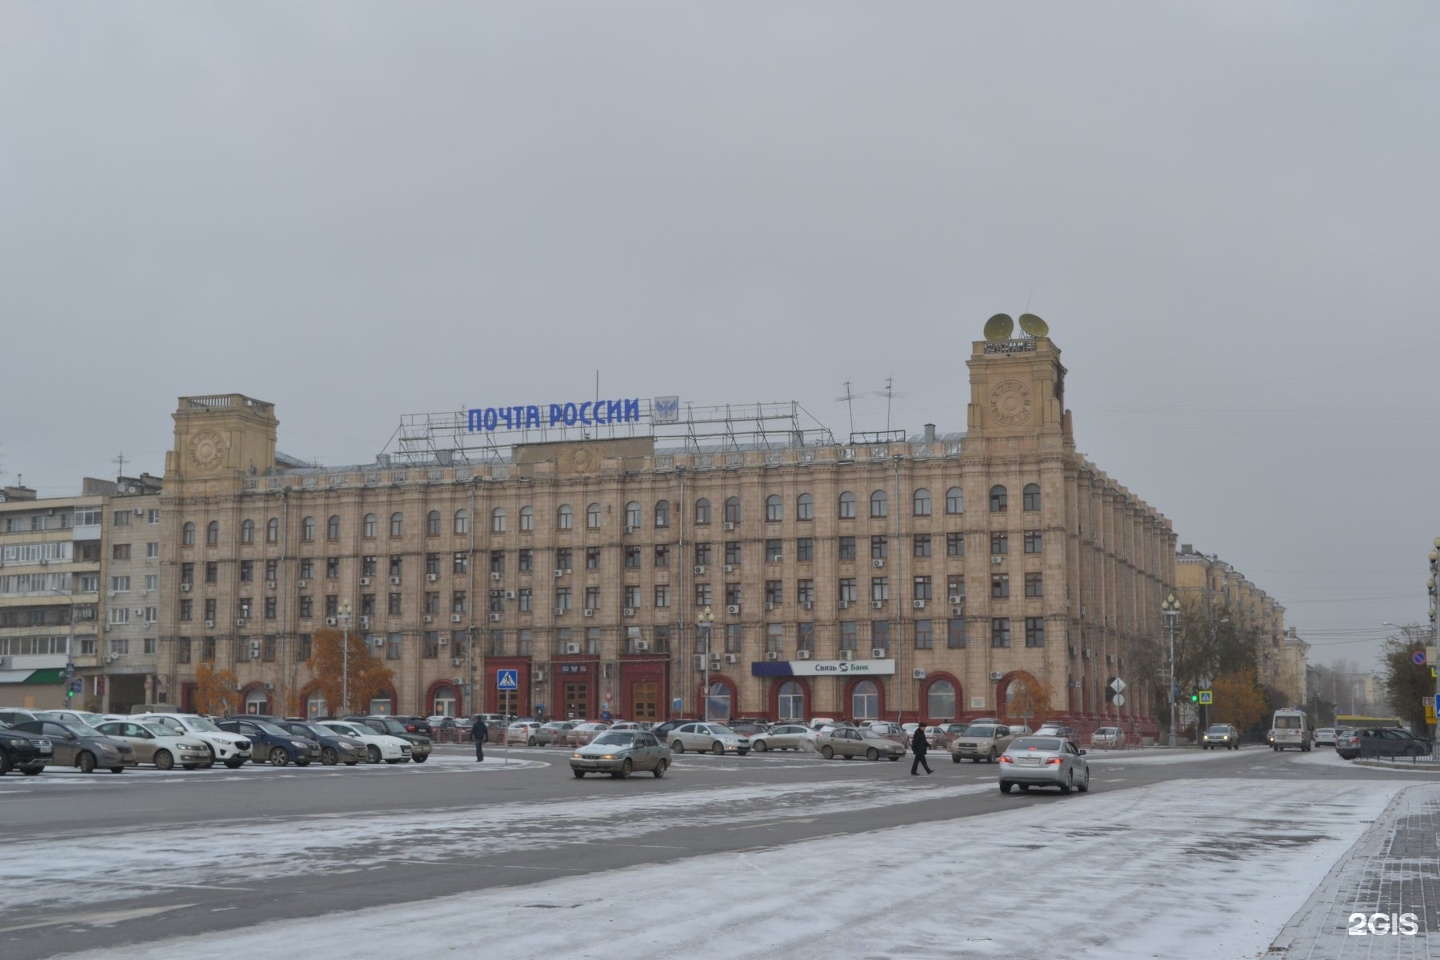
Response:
column 714, row 738
column 1044, row 762
column 1219, row 735
column 621, row 753
column 982, row 741
column 848, row 742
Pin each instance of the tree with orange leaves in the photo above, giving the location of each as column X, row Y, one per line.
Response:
column 215, row 693
column 368, row 674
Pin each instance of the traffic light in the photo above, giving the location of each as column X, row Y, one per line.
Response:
column 1194, row 696
column 69, row 692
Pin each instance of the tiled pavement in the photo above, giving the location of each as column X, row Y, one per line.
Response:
column 1393, row 869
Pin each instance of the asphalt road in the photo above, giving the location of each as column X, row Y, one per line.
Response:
column 146, row 855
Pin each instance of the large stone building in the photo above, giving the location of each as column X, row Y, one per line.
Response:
column 667, row 567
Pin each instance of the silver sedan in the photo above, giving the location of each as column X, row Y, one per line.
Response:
column 714, row 737
column 158, row 745
column 1044, row 762
column 784, row 736
column 848, row 742
column 620, row 753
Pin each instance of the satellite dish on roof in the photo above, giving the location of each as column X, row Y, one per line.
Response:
column 999, row 327
column 1033, row 325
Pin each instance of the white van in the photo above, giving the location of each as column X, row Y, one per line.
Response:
column 1289, row 729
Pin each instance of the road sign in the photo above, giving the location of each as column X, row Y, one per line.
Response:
column 1119, row 700
column 507, row 680
column 1117, row 685
column 69, row 671
column 77, row 685
column 1418, row 658
column 1207, row 696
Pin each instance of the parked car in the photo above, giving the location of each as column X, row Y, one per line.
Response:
column 1219, row 735
column 848, row 742
column 420, row 744
column 335, row 747
column 1034, row 761
column 231, row 749
column 714, row 737
column 275, row 744
column 1324, row 736
column 1109, row 738
column 23, row 751
column 524, row 732
column 86, row 717
column 158, row 745
column 982, row 741
column 748, row 727
column 661, row 730
column 1054, row 728
column 14, row 715
column 76, row 745
column 554, row 732
column 420, row 725
column 1347, row 743
column 377, row 746
column 784, row 736
column 583, row 733
column 620, row 753
column 630, row 725
column 1392, row 742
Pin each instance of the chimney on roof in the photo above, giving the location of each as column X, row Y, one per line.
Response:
column 929, row 433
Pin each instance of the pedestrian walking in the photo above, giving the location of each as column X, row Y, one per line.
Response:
column 478, row 733
column 919, row 746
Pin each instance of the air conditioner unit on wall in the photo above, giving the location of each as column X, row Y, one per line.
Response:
column 509, row 594
column 559, row 573
column 589, row 611
column 494, row 618
column 699, row 570
column 729, row 568
column 394, row 581
column 733, row 609
column 956, row 599
column 364, row 581
column 877, row 653
column 572, row 648
column 847, row 654
column 432, row 577
column 732, row 658
column 456, row 617
column 538, row 675
column 878, row 564
column 427, row 619
column 918, row 673
column 184, row 588
column 269, row 584
column 802, row 654
column 772, row 655
column 642, row 646
column 494, row 574
column 996, row 675
column 997, row 559
column 918, row 604
column 729, row 525
column 769, row 605
column 209, row 625
column 302, row 584
column 628, row 611
column 877, row 604
column 329, row 621
column 456, row 661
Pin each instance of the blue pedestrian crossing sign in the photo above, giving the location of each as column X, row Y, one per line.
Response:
column 507, row 680
column 1207, row 696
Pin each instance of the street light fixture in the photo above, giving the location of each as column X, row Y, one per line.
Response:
column 703, row 621
column 344, row 614
column 1170, row 610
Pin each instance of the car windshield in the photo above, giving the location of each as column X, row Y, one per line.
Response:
column 872, row 735
column 720, row 730
column 1036, row 743
column 392, row 725
column 81, row 729
column 984, row 730
column 618, row 738
column 158, row 730
column 203, row 725
column 346, row 728
column 270, row 728
column 309, row 730
column 1219, row 729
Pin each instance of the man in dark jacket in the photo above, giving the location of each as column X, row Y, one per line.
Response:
column 478, row 733
column 919, row 746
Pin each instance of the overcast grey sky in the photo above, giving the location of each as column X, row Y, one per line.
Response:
column 1225, row 211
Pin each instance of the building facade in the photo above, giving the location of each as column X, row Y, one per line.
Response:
column 924, row 576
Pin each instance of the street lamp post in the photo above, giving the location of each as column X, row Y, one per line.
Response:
column 1434, row 637
column 702, row 622
column 345, row 658
column 70, row 640
column 1170, row 610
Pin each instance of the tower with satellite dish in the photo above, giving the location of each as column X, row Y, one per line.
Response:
column 1017, row 390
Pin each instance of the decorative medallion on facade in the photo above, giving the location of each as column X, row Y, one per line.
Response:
column 207, row 450
column 584, row 460
column 1010, row 402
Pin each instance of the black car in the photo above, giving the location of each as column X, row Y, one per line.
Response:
column 334, row 747
column 660, row 730
column 420, row 745
column 272, row 742
column 417, row 725
column 23, row 752
column 1386, row 742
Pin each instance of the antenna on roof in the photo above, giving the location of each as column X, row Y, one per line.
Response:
column 849, row 396
column 120, row 464
column 889, row 394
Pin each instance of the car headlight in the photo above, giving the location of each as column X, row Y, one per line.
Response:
column 301, row 744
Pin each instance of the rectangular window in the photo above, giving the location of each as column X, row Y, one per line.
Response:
column 182, row 649
column 396, row 604
column 592, row 598
column 563, row 559
column 847, row 548
column 187, row 573
column 774, row 551
column 526, row 598
column 307, row 607
column 662, row 555
column 332, row 568
column 460, row 563
column 955, row 589
column 1034, row 631
column 774, row 592
column 119, row 584
column 152, row 581
column 848, row 590
column 187, row 609
column 432, row 564
column 880, row 634
column 999, row 632
column 879, row 589
column 562, row 599
column 999, row 586
column 430, row 645
column 805, row 636
column 395, row 646
column 497, row 561
column 734, row 638
column 367, row 604
column 632, row 596
column 457, row 601
column 921, row 548
column 302, row 648
column 247, row 571
column 272, row 607
column 732, row 595
column 879, row 548
column 122, row 518
column 702, row 554
column 805, row 592
column 1034, row 541
column 732, row 552
column 924, row 634
column 1034, row 585
column 662, row 596
column 212, row 572
column 999, row 543
column 332, row 605
column 632, row 557
column 954, row 544
column 702, row 594
column 924, row 590
column 592, row 558
column 368, row 566
column 526, row 560
column 272, row 569
column 805, row 549
column 152, row 549
column 849, row 635
column 955, row 633
column 397, row 566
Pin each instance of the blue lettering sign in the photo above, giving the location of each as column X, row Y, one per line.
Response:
column 524, row 417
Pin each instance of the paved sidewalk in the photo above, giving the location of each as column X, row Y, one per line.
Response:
column 1394, row 868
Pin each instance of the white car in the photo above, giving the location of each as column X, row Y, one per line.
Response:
column 715, row 738
column 523, row 732
column 231, row 749
column 784, row 736
column 378, row 746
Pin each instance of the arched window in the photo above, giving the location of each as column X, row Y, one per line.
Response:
column 702, row 511
column 1030, row 497
column 565, row 517
column 307, row 529
column 804, row 507
column 632, row 515
column 371, row 527
column 527, row 519
column 247, row 531
column 662, row 513
column 847, row 505
column 332, row 528
column 954, row 501
column 940, row 701
column 732, row 509
column 444, row 702
column 432, row 523
column 257, row 701
column 774, row 508
column 497, row 520
column 879, row 504
column 865, row 701
column 462, row 521
column 999, row 499
column 790, row 701
column 212, row 533
column 397, row 524
column 922, row 502
column 187, row 534
column 717, row 705
column 381, row 705
column 592, row 517
column 272, row 530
